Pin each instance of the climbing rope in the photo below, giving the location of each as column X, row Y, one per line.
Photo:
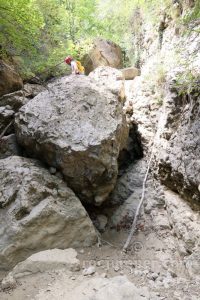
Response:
column 134, row 223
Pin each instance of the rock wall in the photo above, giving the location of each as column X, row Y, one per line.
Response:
column 166, row 107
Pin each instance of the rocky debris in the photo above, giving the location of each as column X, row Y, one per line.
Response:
column 97, row 288
column 9, row 146
column 6, row 116
column 111, row 79
column 32, row 90
column 10, row 80
column 78, row 127
column 15, row 100
column 49, row 260
column 37, row 212
column 103, row 53
column 8, row 283
column 89, row 271
column 101, row 221
column 130, row 73
column 19, row 98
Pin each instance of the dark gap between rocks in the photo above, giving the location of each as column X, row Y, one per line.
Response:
column 127, row 157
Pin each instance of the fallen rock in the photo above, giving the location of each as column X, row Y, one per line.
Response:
column 49, row 260
column 103, row 53
column 10, row 80
column 130, row 73
column 9, row 146
column 15, row 100
column 37, row 212
column 77, row 127
column 89, row 271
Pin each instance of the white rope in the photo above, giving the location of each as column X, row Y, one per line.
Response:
column 134, row 223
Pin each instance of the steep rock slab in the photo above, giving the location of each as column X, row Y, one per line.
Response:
column 178, row 150
column 37, row 212
column 166, row 101
column 78, row 127
column 10, row 80
column 103, row 53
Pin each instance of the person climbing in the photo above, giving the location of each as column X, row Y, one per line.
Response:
column 76, row 67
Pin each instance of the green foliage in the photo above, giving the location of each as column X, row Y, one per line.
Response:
column 193, row 14
column 21, row 22
column 41, row 33
column 187, row 83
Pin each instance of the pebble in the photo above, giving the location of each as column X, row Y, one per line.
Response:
column 81, row 251
column 52, row 170
column 99, row 264
column 89, row 271
column 116, row 269
column 73, row 278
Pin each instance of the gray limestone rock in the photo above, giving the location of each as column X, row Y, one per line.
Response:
column 37, row 212
column 77, row 127
column 9, row 146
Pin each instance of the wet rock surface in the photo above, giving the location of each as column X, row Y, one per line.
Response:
column 79, row 128
column 37, row 212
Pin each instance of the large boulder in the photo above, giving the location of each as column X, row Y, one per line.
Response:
column 77, row 127
column 10, row 80
column 130, row 73
column 111, row 79
column 37, row 212
column 103, row 53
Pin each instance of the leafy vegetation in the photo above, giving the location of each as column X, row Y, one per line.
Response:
column 39, row 34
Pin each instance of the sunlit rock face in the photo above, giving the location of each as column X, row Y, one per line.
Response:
column 103, row 53
column 78, row 127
